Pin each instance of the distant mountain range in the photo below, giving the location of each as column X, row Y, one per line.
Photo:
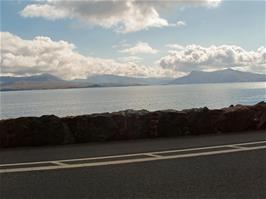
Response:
column 47, row 81
column 115, row 80
column 220, row 76
column 44, row 81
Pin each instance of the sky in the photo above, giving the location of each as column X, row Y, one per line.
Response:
column 76, row 39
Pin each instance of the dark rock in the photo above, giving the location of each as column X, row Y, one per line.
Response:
column 172, row 123
column 202, row 121
column 96, row 127
column 33, row 131
column 130, row 124
column 242, row 118
column 261, row 121
column 261, row 103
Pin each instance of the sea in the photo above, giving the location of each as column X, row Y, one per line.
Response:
column 69, row 102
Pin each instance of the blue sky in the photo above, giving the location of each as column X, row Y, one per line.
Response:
column 231, row 23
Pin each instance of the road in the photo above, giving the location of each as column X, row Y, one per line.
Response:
column 217, row 166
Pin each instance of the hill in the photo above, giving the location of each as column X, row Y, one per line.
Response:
column 43, row 81
column 111, row 80
column 220, row 76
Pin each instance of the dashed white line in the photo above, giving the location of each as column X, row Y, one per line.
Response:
column 237, row 147
column 153, row 155
column 59, row 163
column 150, row 156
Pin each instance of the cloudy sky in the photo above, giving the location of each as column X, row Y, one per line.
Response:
column 75, row 39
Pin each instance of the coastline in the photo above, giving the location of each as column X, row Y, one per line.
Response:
column 119, row 86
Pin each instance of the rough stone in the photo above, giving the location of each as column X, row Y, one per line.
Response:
column 130, row 124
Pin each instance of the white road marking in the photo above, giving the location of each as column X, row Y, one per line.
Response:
column 237, row 147
column 151, row 156
column 134, row 154
column 58, row 163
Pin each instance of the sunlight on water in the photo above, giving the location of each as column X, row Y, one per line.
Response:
column 95, row 100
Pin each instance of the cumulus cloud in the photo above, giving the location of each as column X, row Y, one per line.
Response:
column 133, row 59
column 43, row 55
column 140, row 48
column 195, row 57
column 123, row 16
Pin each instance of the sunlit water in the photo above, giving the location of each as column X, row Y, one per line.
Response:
column 65, row 102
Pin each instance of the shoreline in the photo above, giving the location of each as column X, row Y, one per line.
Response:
column 122, row 86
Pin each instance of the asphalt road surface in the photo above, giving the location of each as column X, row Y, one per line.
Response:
column 217, row 166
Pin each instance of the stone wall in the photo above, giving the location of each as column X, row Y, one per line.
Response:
column 130, row 124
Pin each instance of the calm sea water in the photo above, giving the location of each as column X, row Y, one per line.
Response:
column 65, row 102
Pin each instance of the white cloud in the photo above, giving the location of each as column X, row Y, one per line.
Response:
column 180, row 23
column 213, row 3
column 133, row 59
column 195, row 57
column 123, row 16
column 174, row 46
column 60, row 58
column 43, row 10
column 140, row 48
column 121, row 44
